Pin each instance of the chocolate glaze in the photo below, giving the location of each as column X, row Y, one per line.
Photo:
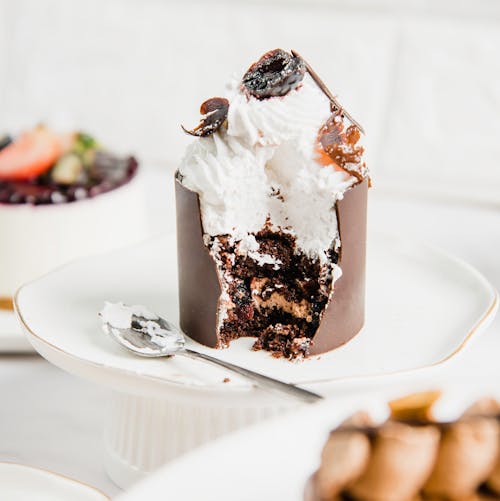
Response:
column 199, row 287
column 344, row 315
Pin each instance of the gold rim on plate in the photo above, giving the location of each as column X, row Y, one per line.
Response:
column 6, row 303
column 90, row 488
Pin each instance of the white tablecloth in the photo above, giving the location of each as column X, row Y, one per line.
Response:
column 50, row 419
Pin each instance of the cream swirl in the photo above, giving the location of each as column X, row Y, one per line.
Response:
column 271, row 122
column 264, row 166
column 231, row 183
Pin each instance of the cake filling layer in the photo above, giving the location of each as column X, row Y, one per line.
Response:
column 278, row 300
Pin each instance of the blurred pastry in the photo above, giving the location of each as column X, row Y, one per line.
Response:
column 413, row 457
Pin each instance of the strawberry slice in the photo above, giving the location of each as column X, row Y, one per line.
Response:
column 30, row 155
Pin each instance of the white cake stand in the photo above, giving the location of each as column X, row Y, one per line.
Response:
column 423, row 306
column 24, row 483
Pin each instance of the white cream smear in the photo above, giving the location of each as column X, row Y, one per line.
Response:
column 120, row 316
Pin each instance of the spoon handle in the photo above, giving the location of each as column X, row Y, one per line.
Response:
column 264, row 382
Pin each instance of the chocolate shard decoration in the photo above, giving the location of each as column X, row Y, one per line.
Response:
column 199, row 287
column 214, row 111
column 344, row 315
column 200, row 290
column 340, row 144
column 336, row 106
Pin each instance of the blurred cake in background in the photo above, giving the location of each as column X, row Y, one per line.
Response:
column 62, row 196
column 412, row 456
column 271, row 213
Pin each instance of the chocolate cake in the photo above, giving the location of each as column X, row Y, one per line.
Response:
column 412, row 456
column 271, row 213
column 40, row 167
column 62, row 196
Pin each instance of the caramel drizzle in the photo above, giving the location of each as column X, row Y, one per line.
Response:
column 372, row 430
column 336, row 106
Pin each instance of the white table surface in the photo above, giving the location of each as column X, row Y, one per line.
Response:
column 50, row 419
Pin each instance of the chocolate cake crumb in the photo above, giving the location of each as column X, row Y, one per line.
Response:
column 283, row 340
column 279, row 305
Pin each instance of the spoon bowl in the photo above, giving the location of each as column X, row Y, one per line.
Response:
column 148, row 335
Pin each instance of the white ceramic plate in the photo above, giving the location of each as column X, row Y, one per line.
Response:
column 24, row 483
column 272, row 460
column 12, row 339
column 423, row 305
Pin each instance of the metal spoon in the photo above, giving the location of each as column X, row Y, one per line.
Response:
column 149, row 335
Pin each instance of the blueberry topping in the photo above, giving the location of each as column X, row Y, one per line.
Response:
column 58, row 197
column 108, row 168
column 214, row 111
column 108, row 172
column 276, row 73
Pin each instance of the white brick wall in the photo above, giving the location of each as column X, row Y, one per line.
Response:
column 422, row 77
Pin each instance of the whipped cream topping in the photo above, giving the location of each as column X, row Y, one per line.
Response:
column 264, row 168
